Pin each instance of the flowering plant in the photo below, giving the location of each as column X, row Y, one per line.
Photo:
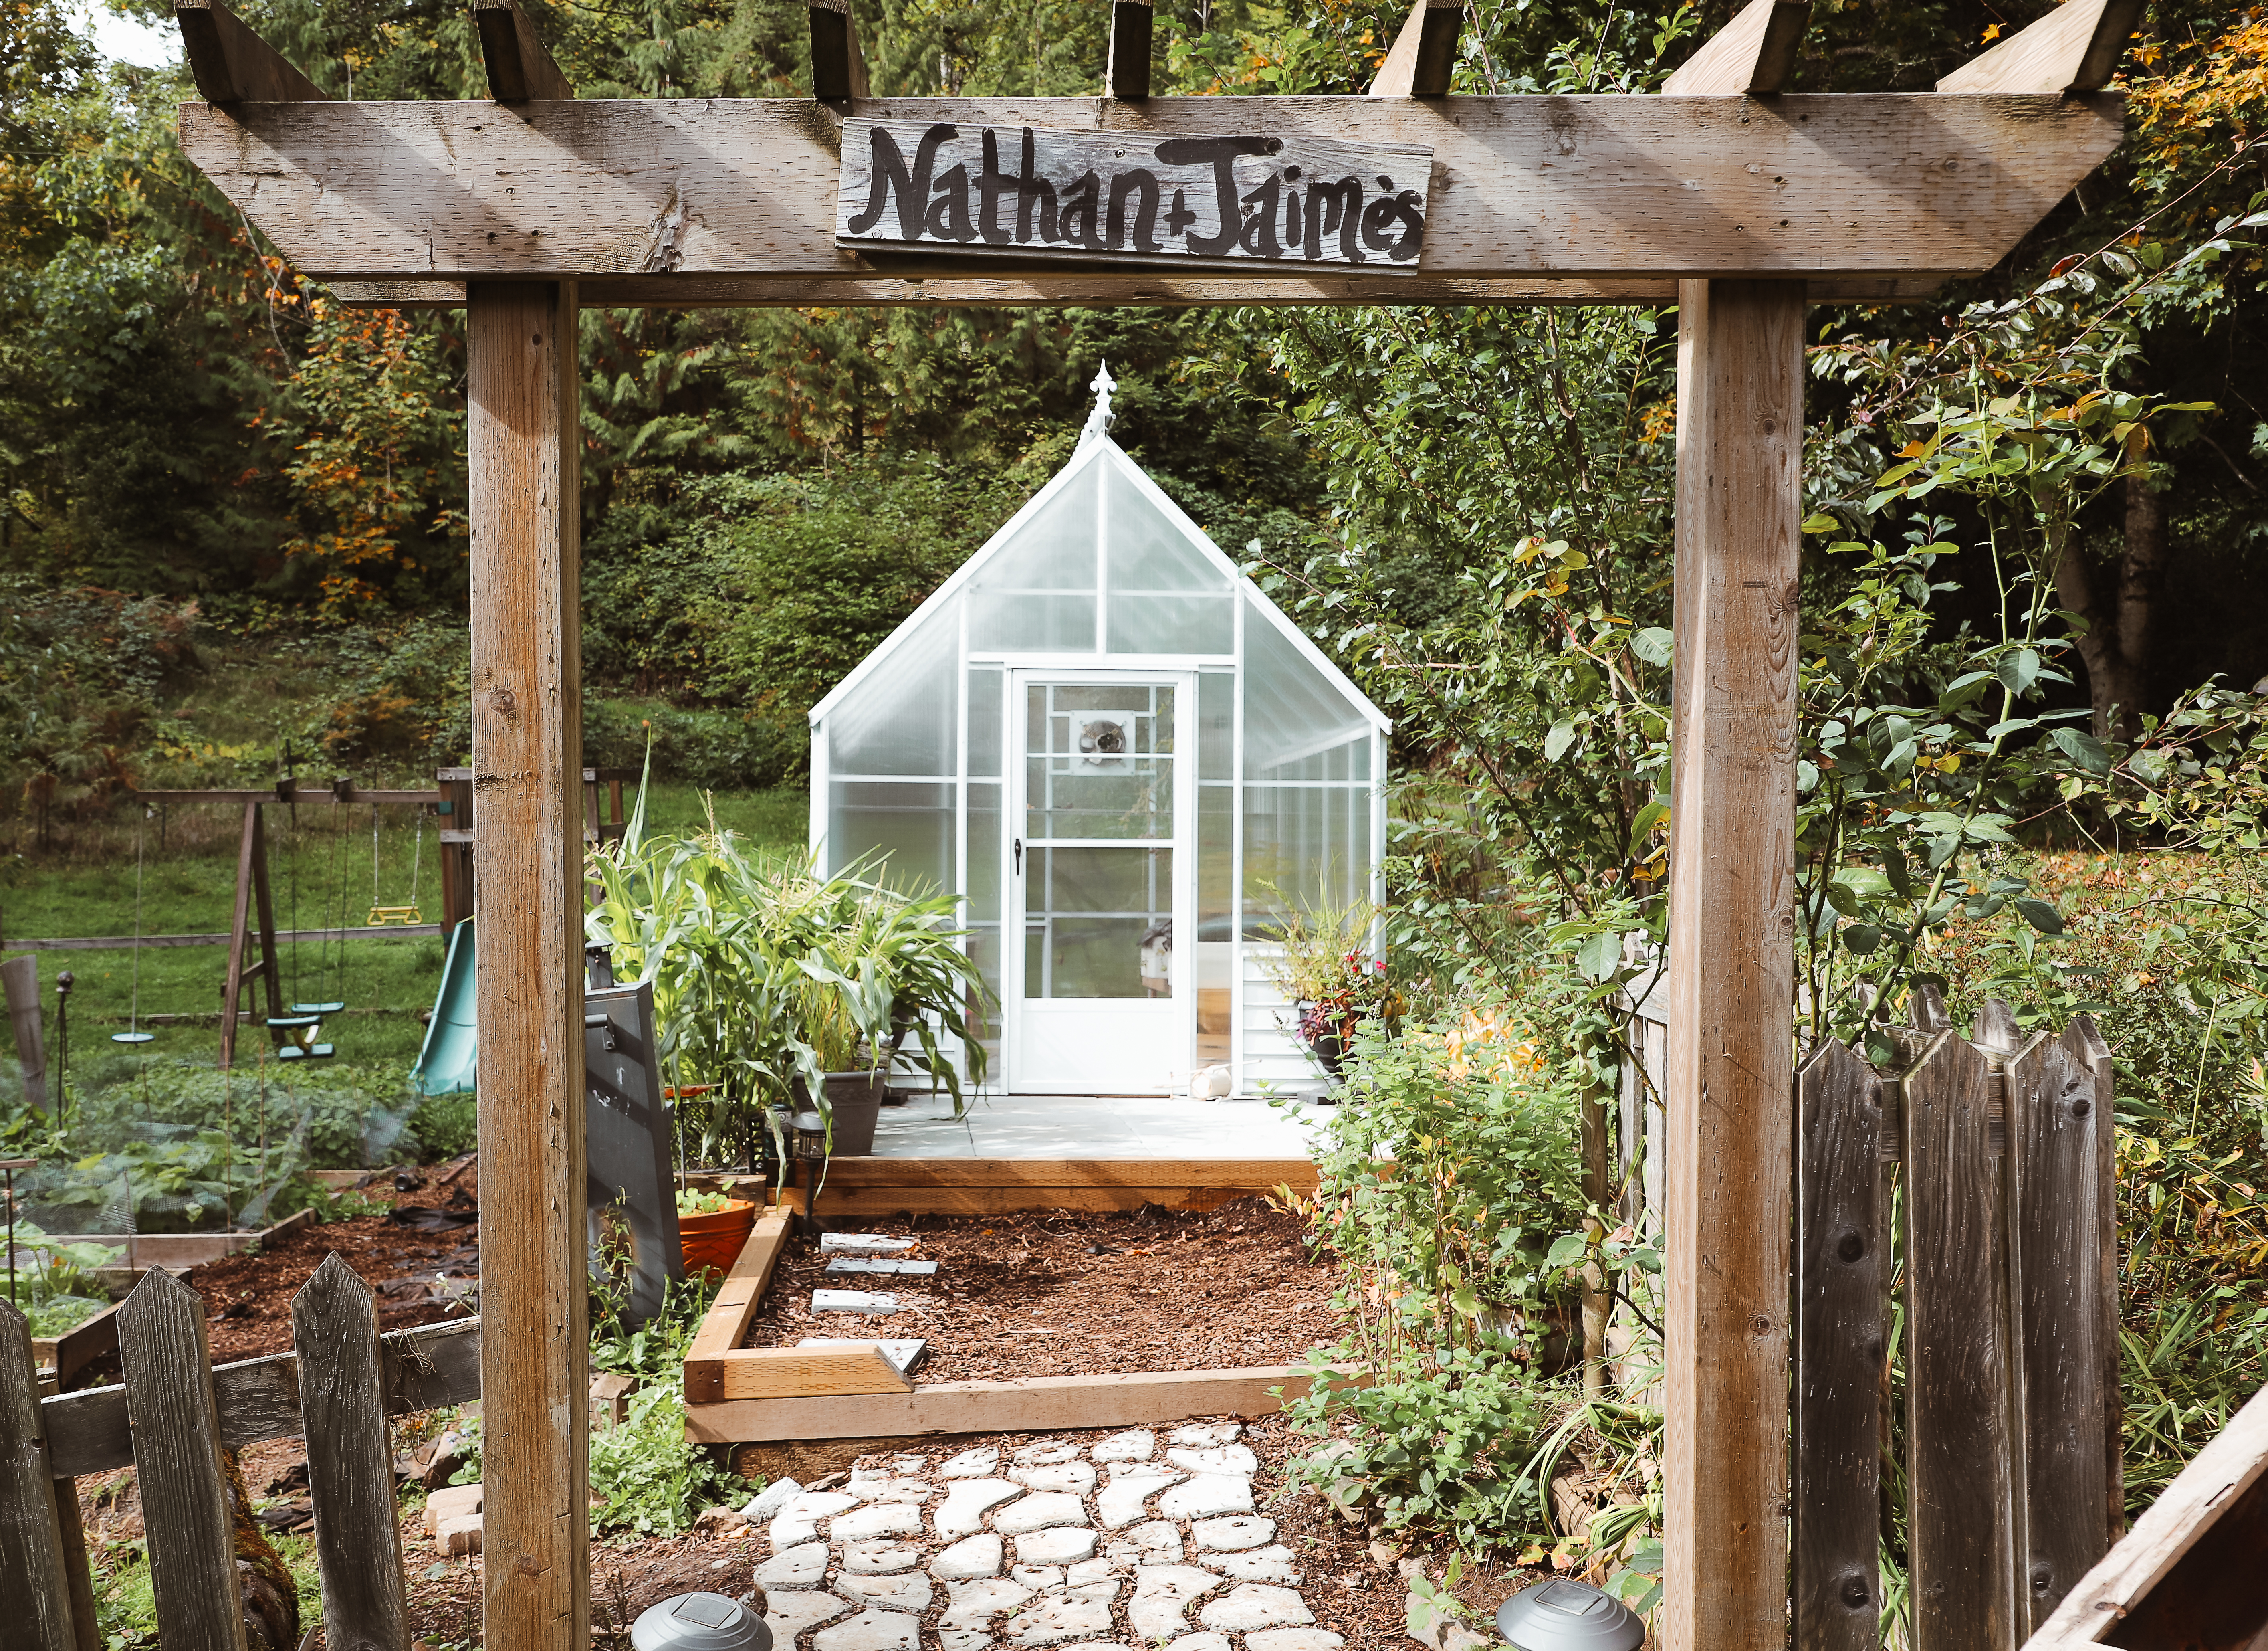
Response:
column 1357, row 989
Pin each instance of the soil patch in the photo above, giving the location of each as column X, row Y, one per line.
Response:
column 1056, row 1293
column 248, row 1297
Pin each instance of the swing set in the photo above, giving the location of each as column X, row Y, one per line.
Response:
column 295, row 1027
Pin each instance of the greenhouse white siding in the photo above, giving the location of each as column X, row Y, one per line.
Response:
column 1107, row 740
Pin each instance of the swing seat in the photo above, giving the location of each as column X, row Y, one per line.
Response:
column 409, row 916
column 305, row 1051
column 132, row 1037
column 294, row 1020
column 317, row 1008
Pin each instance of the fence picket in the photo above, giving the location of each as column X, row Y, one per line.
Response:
column 33, row 1580
column 1957, row 1434
column 76, row 1571
column 169, row 1399
column 2053, row 1125
column 1840, row 1327
column 2085, row 1043
column 350, row 1463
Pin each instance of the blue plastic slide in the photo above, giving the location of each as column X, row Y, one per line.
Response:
column 446, row 1066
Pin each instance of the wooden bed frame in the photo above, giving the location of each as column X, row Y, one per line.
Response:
column 736, row 1394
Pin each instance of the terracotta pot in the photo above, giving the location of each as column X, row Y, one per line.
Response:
column 712, row 1243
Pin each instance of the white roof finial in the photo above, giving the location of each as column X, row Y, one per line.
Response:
column 1098, row 421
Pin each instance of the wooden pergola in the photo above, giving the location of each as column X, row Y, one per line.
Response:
column 1737, row 201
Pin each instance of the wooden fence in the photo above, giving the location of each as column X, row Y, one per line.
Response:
column 1994, row 1154
column 171, row 1420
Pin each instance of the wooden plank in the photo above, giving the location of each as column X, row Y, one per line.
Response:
column 33, row 1577
column 231, row 997
column 881, row 1203
column 1126, row 70
column 19, row 979
column 232, row 64
column 2075, row 47
column 524, row 443
column 519, row 66
column 766, row 1373
column 1249, row 1174
column 1753, row 55
column 1036, row 1405
column 838, row 67
column 1729, row 1175
column 424, row 1369
column 738, row 1298
column 1960, row 1496
column 83, row 1344
column 177, row 1446
column 1885, row 184
column 350, row 1462
column 1424, row 55
column 2223, row 1476
column 86, row 1631
column 344, row 791
column 1842, row 1325
column 126, row 942
column 2067, row 1339
column 1145, row 288
column 2082, row 1040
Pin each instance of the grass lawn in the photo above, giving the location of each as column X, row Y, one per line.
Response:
column 321, row 873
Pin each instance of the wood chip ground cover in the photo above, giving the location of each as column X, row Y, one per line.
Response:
column 1063, row 1294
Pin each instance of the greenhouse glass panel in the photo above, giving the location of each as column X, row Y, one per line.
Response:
column 1119, row 756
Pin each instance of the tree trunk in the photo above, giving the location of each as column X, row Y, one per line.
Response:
column 2117, row 601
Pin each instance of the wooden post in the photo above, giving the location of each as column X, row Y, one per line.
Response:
column 1729, row 1098
column 524, row 444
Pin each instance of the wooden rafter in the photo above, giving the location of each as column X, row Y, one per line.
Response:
column 1424, row 55
column 2073, row 48
column 1126, row 71
column 232, row 64
column 1753, row 55
column 519, row 66
column 838, row 67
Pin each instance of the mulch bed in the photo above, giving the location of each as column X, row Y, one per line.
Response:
column 1058, row 1292
column 248, row 1297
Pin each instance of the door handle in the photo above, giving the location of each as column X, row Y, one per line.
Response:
column 1019, row 857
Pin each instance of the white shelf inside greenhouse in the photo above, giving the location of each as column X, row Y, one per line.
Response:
column 1125, row 759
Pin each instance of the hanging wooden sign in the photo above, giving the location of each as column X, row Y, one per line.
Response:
column 1126, row 197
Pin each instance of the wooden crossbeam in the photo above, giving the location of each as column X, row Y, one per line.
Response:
column 1424, row 55
column 2073, row 48
column 1601, row 188
column 838, row 67
column 1126, row 73
column 519, row 66
column 1753, row 55
column 231, row 64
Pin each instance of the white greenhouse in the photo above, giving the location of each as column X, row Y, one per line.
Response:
column 1019, row 740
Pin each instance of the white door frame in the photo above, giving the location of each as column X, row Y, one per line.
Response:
column 1153, row 1073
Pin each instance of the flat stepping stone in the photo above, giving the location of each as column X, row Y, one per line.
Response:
column 1075, row 1477
column 871, row 1630
column 961, row 1513
column 844, row 1265
column 1064, row 1545
column 1126, row 1498
column 771, row 1500
column 1161, row 1593
column 962, row 1639
column 1216, row 1459
column 852, row 1302
column 974, row 1604
column 1231, row 1534
column 1200, row 1642
column 1207, row 1495
column 797, row 1522
column 971, row 1557
column 797, row 1567
column 1044, row 1508
column 1040, row 1579
column 1058, row 1621
column 1256, row 1605
column 1271, row 1563
column 863, row 1244
column 789, row 1614
column 879, row 1558
column 877, row 1519
column 903, row 1356
column 1138, row 1444
column 1293, row 1639
column 1158, row 1542
column 1043, row 1452
column 909, row 1591
column 1203, row 1433
column 971, row 1464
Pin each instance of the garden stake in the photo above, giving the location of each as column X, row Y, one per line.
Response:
column 11, row 1165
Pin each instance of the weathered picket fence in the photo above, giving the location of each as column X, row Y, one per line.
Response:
column 171, row 1418
column 1995, row 1153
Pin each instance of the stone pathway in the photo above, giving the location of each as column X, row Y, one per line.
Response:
column 1139, row 1542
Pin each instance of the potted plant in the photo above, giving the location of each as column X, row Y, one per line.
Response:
column 1324, row 964
column 711, row 1229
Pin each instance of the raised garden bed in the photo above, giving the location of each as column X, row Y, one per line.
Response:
column 1040, row 1315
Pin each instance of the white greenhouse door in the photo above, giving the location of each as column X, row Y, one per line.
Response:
column 1101, row 877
